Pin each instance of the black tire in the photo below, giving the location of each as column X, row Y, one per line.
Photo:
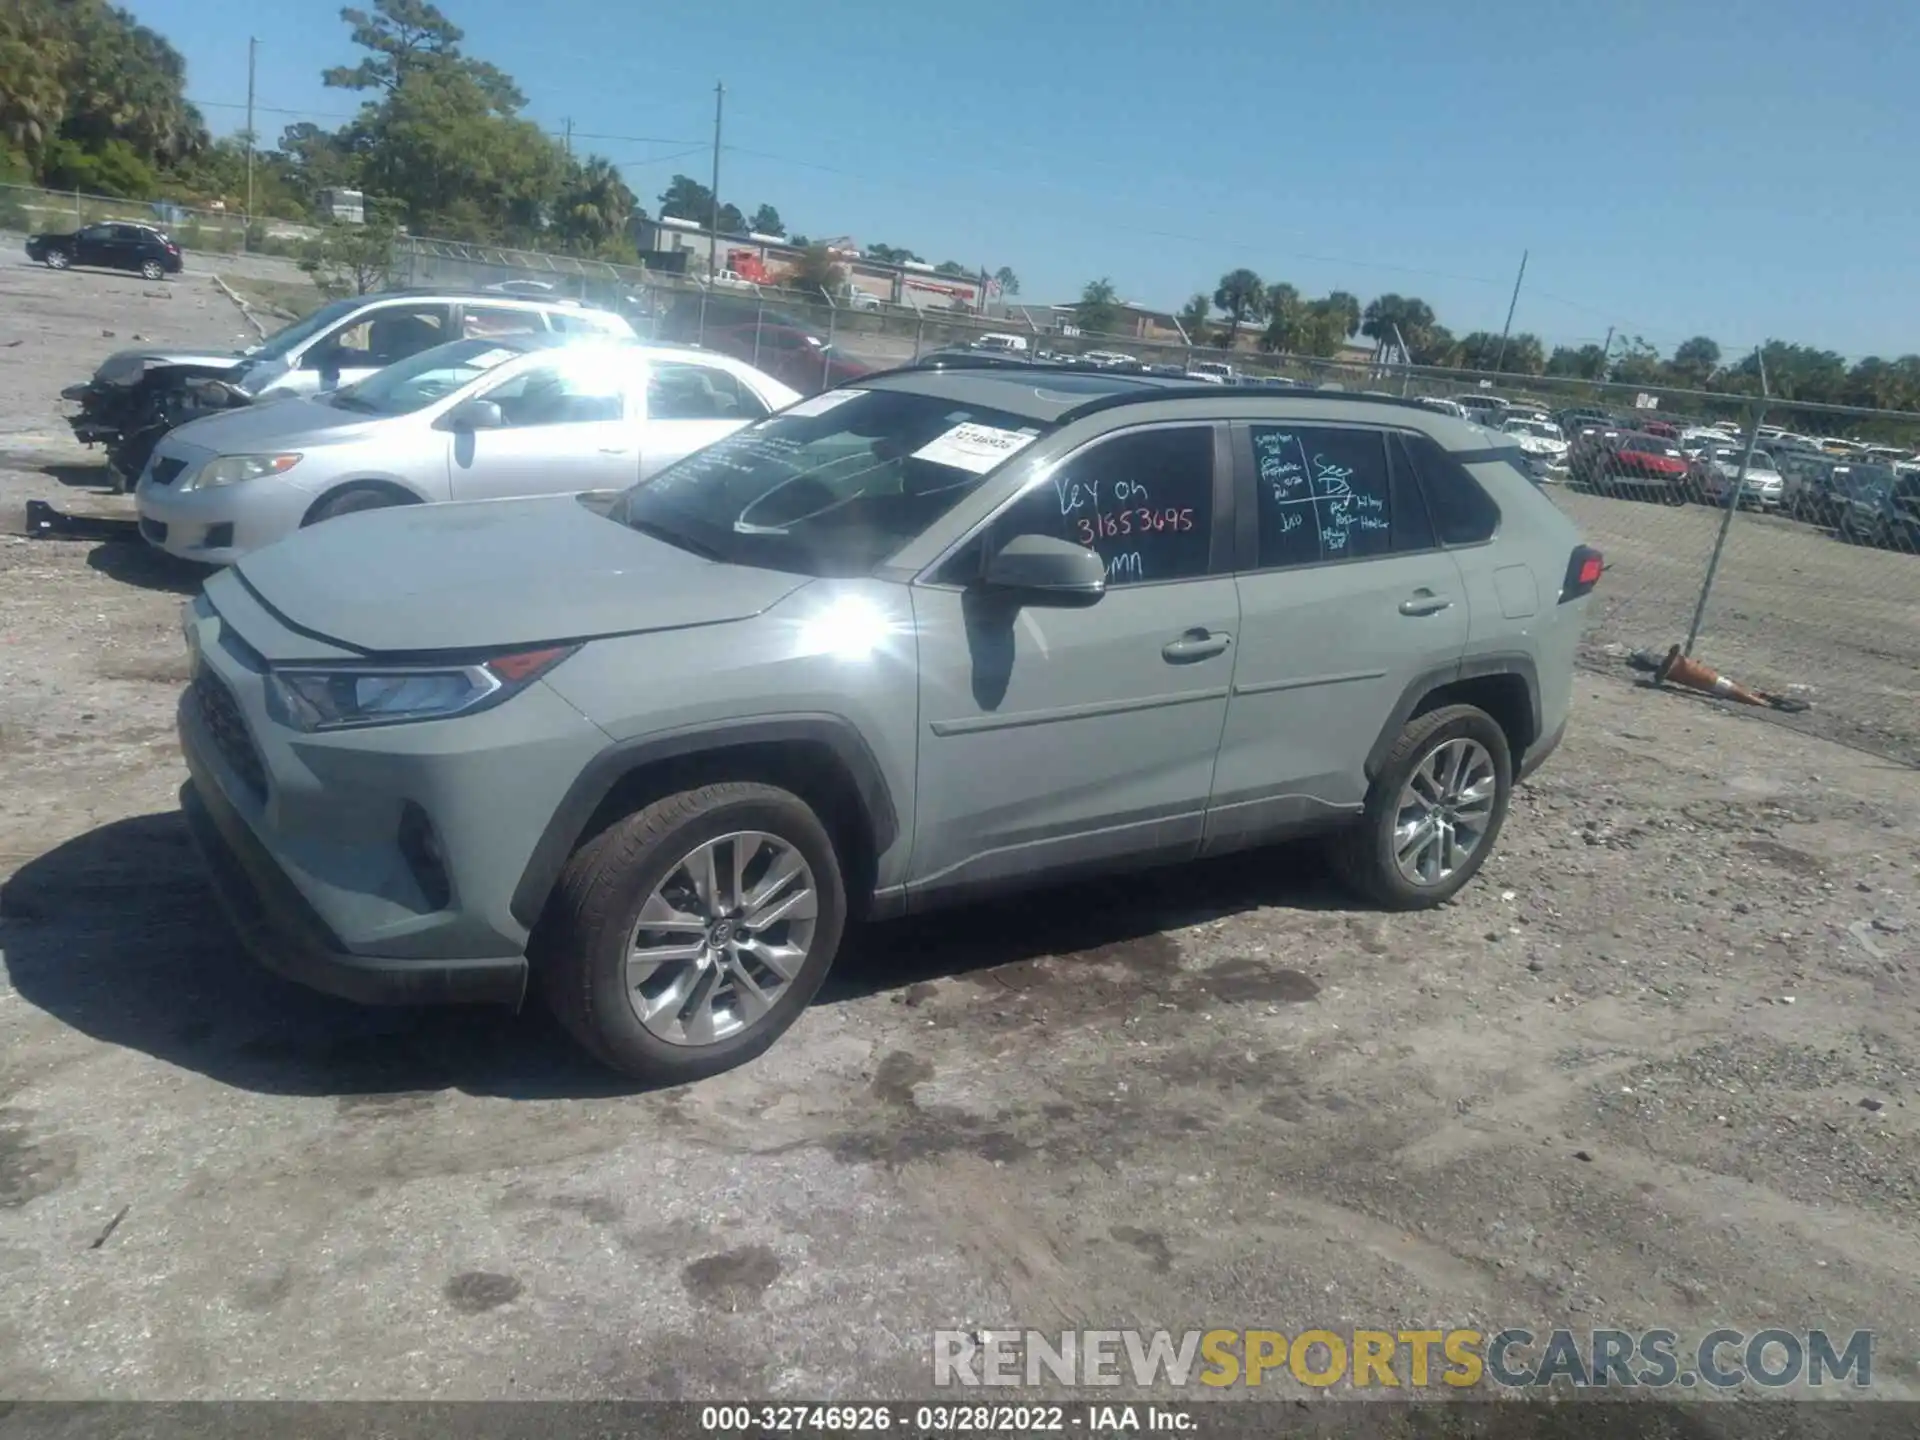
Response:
column 1674, row 495
column 58, row 259
column 581, row 951
column 152, row 270
column 349, row 502
column 1364, row 853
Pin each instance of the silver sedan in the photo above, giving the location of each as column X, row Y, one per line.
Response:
column 476, row 419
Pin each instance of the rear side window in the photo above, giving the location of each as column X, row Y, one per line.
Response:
column 1325, row 493
column 1463, row 513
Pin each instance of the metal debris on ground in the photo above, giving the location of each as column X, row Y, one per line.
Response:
column 46, row 523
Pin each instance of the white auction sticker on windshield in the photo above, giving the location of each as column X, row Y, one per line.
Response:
column 820, row 404
column 974, row 448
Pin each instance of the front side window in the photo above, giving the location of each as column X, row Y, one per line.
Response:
column 486, row 322
column 571, row 389
column 291, row 336
column 417, row 382
column 1326, row 493
column 831, row 486
column 1142, row 501
column 389, row 334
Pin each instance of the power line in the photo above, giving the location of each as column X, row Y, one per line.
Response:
column 354, row 115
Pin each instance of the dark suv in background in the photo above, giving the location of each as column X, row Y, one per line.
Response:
column 111, row 245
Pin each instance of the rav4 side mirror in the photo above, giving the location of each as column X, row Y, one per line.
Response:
column 1045, row 570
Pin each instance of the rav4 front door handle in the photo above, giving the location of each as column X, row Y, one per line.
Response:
column 1196, row 644
column 1425, row 602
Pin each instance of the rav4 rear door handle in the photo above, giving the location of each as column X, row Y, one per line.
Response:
column 1425, row 602
column 1196, row 644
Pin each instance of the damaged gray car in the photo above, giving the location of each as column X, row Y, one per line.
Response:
column 137, row 396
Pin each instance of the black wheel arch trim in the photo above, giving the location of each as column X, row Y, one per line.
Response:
column 1425, row 683
column 613, row 764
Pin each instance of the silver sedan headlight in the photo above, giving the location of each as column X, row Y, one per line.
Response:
column 232, row 469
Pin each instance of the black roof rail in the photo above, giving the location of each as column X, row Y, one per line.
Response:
column 1202, row 391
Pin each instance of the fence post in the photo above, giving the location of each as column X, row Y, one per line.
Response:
column 919, row 333
column 78, row 218
column 1733, row 505
column 826, row 355
column 701, row 337
column 759, row 319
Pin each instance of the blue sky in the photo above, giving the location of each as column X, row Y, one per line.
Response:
column 1673, row 168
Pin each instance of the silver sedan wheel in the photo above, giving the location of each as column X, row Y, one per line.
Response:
column 721, row 938
column 1444, row 810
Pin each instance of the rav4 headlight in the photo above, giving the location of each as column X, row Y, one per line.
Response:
column 232, row 469
column 340, row 697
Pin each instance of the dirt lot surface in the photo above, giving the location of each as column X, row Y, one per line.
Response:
column 1793, row 610
column 1659, row 1066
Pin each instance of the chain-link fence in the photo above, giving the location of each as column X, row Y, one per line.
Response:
column 1777, row 541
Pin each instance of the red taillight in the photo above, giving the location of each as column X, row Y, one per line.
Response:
column 1583, row 573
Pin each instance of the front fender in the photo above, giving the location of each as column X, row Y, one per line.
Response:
column 623, row 758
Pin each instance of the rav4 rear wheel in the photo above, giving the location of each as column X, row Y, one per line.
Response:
column 152, row 270
column 1432, row 813
column 687, row 937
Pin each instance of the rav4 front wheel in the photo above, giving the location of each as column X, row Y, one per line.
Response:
column 1432, row 813
column 687, row 937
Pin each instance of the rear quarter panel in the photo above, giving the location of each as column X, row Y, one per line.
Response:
column 1529, row 552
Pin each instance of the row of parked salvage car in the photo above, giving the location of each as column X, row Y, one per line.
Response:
column 650, row 747
column 368, row 404
column 1861, row 502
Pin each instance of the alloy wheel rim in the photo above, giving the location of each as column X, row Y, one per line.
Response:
column 1444, row 811
column 721, row 938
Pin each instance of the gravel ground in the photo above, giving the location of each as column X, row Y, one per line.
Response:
column 1660, row 1066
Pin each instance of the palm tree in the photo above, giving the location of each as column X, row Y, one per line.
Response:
column 1243, row 297
column 1412, row 319
column 1345, row 308
column 593, row 205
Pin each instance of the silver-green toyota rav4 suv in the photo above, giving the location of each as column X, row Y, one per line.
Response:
column 941, row 633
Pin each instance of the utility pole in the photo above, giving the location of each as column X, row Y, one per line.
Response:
column 1606, row 355
column 569, row 141
column 253, row 47
column 1510, row 308
column 713, row 230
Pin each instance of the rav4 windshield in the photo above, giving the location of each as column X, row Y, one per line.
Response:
column 831, row 487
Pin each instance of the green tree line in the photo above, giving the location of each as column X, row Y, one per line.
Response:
column 1278, row 320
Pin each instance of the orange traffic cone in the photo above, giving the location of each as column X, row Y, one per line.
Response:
column 1678, row 669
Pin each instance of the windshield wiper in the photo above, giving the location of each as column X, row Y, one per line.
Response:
column 675, row 538
column 342, row 400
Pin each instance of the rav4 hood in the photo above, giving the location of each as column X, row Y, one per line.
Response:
column 125, row 367
column 494, row 574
